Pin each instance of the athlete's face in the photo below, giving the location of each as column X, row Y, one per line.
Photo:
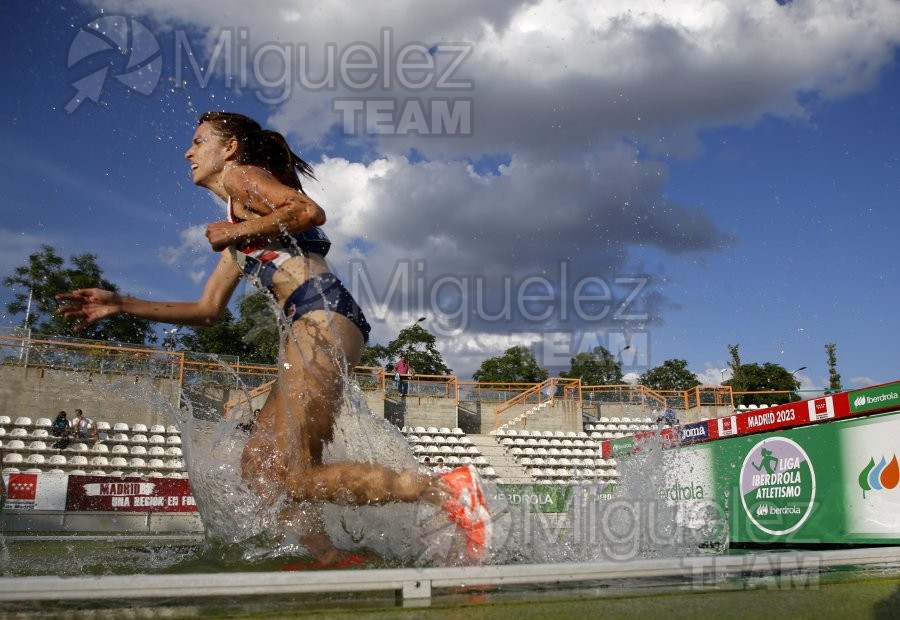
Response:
column 208, row 155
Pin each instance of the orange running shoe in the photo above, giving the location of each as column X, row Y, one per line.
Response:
column 467, row 508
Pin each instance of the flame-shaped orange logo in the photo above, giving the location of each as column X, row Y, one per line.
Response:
column 880, row 476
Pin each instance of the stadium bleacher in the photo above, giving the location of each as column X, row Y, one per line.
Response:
column 550, row 457
column 119, row 452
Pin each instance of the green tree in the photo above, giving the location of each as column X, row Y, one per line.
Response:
column 375, row 355
column 44, row 276
column 418, row 346
column 763, row 378
column 597, row 367
column 671, row 375
column 258, row 323
column 223, row 338
column 516, row 365
column 834, row 379
column 253, row 336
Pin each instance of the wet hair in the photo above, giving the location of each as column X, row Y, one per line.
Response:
column 260, row 147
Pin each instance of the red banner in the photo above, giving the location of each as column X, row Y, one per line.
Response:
column 21, row 490
column 831, row 407
column 129, row 494
column 782, row 416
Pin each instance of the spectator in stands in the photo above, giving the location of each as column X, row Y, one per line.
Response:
column 248, row 425
column 60, row 428
column 272, row 236
column 403, row 370
column 83, row 427
column 441, row 467
column 670, row 417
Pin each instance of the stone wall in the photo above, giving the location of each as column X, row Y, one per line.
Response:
column 112, row 397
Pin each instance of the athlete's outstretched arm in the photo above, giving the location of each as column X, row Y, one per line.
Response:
column 268, row 207
column 92, row 304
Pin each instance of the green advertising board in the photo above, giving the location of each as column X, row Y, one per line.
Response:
column 830, row 483
column 537, row 497
column 621, row 446
column 877, row 397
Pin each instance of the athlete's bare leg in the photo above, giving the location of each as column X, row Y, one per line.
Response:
column 284, row 453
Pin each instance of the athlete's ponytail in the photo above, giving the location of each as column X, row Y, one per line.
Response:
column 260, row 147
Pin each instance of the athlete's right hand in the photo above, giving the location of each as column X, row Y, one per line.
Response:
column 89, row 305
column 221, row 235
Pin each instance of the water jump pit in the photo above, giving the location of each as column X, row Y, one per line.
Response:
column 796, row 506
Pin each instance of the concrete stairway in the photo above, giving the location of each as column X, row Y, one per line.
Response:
column 507, row 468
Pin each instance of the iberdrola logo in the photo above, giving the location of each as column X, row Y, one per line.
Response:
column 884, row 475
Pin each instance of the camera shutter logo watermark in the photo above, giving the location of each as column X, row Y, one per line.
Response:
column 131, row 40
column 778, row 486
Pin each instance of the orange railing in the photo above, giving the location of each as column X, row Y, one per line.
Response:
column 546, row 390
column 435, row 386
column 625, row 394
column 486, row 392
column 93, row 357
column 370, row 378
column 248, row 396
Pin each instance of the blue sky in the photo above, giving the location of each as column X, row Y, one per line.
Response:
column 733, row 167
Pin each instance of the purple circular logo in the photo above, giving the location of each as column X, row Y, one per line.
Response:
column 778, row 485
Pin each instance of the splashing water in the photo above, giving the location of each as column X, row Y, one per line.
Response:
column 273, row 526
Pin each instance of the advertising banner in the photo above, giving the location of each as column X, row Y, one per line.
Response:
column 750, row 422
column 32, row 491
column 834, row 483
column 874, row 398
column 539, row 497
column 129, row 494
column 21, row 490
